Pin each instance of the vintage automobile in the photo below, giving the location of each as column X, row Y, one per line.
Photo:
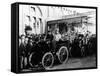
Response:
column 42, row 53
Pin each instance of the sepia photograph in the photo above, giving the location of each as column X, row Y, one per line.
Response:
column 56, row 37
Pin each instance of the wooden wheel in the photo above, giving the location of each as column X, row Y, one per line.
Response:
column 32, row 59
column 63, row 54
column 47, row 60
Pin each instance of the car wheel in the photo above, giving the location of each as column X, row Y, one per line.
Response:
column 47, row 60
column 63, row 54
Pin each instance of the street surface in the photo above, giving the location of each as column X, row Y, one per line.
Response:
column 84, row 62
column 72, row 63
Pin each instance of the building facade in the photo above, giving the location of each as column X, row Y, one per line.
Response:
column 37, row 16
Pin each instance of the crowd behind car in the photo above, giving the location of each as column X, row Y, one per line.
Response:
column 80, row 42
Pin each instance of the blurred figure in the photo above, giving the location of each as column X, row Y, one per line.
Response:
column 56, row 39
column 49, row 39
column 21, row 52
column 57, row 35
column 26, row 40
column 29, row 45
column 49, row 36
column 28, row 31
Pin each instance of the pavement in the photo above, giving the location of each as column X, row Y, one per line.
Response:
column 72, row 63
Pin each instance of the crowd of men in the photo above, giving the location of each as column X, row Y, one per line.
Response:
column 26, row 42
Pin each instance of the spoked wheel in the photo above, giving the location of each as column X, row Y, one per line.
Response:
column 32, row 59
column 63, row 54
column 47, row 60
